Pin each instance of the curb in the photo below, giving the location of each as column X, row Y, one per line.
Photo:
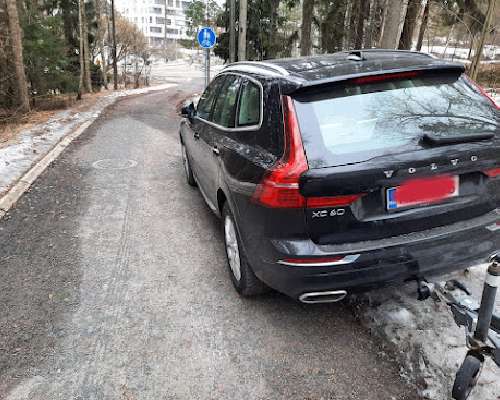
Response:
column 23, row 184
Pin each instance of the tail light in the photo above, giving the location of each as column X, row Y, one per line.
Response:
column 280, row 186
column 483, row 92
column 493, row 173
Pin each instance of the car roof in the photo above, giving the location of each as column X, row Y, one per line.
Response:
column 296, row 73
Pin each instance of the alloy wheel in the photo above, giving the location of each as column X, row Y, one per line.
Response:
column 232, row 249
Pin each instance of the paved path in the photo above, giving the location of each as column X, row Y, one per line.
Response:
column 113, row 285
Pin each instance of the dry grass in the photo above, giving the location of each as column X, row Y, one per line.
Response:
column 10, row 130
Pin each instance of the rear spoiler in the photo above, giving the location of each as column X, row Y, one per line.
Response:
column 442, row 68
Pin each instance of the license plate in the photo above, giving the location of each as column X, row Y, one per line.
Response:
column 423, row 191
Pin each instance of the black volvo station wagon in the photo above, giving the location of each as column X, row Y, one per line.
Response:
column 344, row 172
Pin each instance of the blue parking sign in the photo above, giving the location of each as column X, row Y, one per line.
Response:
column 206, row 37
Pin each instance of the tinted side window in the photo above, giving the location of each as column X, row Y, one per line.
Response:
column 224, row 109
column 250, row 105
column 207, row 98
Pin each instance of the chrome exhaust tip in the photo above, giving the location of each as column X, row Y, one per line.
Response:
column 323, row 297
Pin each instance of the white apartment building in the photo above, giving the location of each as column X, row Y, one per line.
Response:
column 159, row 20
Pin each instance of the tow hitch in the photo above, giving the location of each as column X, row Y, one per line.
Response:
column 482, row 326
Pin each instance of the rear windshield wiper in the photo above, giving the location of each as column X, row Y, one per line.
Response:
column 437, row 140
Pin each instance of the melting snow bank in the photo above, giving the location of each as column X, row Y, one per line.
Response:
column 34, row 143
column 425, row 338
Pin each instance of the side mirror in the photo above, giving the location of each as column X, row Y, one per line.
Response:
column 188, row 111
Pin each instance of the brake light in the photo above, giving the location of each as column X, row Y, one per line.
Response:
column 280, row 186
column 385, row 77
column 483, row 92
column 493, row 173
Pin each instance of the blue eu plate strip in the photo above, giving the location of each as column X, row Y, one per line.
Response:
column 391, row 202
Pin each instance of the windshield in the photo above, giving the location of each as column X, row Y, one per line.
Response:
column 352, row 123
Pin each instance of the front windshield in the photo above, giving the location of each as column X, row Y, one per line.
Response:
column 356, row 122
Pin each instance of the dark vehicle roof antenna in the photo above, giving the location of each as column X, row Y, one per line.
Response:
column 355, row 56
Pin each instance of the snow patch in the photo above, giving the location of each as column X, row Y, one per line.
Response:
column 425, row 338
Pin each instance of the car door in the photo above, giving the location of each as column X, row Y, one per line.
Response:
column 197, row 151
column 222, row 122
column 250, row 148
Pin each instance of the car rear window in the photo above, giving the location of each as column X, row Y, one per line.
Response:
column 355, row 122
column 249, row 108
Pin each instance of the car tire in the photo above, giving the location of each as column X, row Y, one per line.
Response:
column 244, row 280
column 187, row 166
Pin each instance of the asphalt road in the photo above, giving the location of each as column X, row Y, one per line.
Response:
column 113, row 285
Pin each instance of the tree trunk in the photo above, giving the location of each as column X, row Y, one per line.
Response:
column 478, row 51
column 274, row 44
column 471, row 46
column 423, row 25
column 305, row 30
column 232, row 32
column 101, row 32
column 393, row 23
column 363, row 11
column 450, row 34
column 347, row 24
column 353, row 26
column 81, row 85
column 406, row 40
column 17, row 56
column 86, row 52
column 242, row 36
column 115, row 61
column 370, row 27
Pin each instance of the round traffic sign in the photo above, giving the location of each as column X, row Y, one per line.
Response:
column 206, row 37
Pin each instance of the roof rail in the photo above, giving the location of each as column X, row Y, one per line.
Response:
column 377, row 50
column 276, row 68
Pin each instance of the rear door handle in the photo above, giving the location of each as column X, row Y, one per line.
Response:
column 196, row 135
column 215, row 150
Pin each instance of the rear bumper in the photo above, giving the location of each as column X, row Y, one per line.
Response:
column 381, row 262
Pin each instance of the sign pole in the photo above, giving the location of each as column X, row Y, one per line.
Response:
column 207, row 67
